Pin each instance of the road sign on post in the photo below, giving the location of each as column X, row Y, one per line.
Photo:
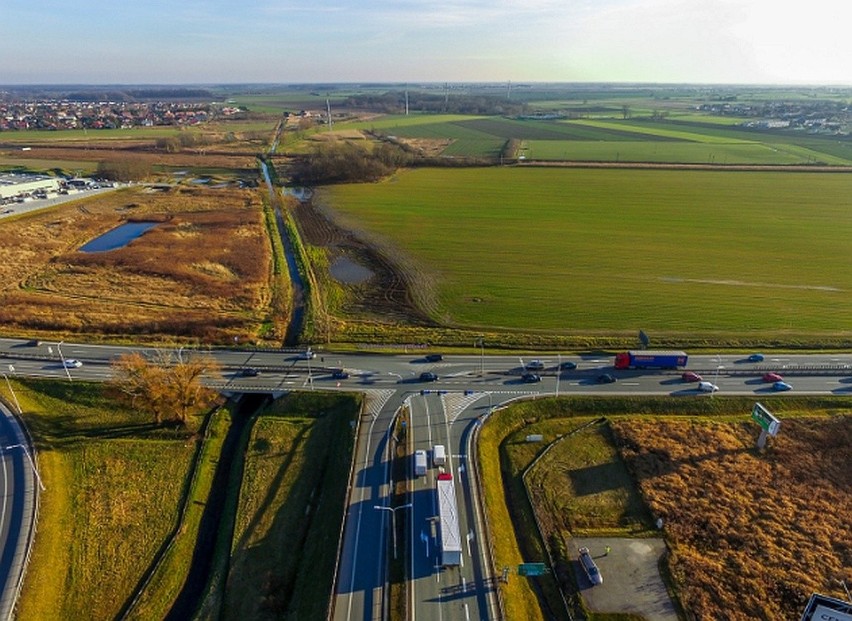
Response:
column 532, row 569
column 769, row 425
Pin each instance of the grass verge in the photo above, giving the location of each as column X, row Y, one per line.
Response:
column 113, row 485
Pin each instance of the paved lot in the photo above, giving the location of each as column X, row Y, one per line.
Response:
column 631, row 579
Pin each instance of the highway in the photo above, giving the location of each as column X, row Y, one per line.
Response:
column 445, row 411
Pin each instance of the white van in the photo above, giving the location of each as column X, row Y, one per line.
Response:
column 419, row 463
column 439, row 455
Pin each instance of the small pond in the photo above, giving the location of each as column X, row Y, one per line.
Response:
column 118, row 237
column 349, row 272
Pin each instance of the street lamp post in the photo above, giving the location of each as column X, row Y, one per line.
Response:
column 62, row 358
column 558, row 371
column 29, row 457
column 12, row 390
column 481, row 342
column 716, row 378
column 393, row 520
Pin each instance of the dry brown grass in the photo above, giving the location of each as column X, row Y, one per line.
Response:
column 753, row 535
column 203, row 273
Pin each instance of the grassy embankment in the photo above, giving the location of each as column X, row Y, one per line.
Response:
column 113, row 486
column 569, row 503
column 162, row 588
column 298, row 455
column 585, row 254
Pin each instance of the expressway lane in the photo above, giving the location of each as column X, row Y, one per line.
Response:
column 445, row 411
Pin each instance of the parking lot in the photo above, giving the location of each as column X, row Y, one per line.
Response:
column 631, row 578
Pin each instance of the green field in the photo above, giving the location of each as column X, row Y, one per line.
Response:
column 700, row 255
column 683, row 139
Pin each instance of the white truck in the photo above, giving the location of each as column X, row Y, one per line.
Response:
column 420, row 463
column 439, row 455
column 448, row 521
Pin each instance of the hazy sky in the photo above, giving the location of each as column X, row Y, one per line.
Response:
column 214, row 41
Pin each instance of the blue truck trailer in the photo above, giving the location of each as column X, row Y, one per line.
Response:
column 647, row 359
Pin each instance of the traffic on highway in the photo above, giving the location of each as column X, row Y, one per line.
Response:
column 444, row 399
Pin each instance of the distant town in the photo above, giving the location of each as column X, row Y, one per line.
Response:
column 52, row 114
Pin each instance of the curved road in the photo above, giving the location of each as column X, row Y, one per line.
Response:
column 442, row 412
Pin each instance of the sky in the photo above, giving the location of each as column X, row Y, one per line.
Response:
column 310, row 41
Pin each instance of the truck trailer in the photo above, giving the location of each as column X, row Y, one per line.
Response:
column 646, row 359
column 448, row 521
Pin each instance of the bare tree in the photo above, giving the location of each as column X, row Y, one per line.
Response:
column 171, row 390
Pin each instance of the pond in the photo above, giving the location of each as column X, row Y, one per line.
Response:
column 118, row 237
column 349, row 272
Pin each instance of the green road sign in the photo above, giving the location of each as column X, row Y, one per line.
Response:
column 765, row 419
column 532, row 569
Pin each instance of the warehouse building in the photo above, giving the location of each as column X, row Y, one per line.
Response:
column 14, row 186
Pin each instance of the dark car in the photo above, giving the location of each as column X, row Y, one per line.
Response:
column 249, row 372
column 339, row 374
column 691, row 376
column 531, row 378
column 428, row 376
column 534, row 365
column 33, row 343
column 433, row 357
column 589, row 566
column 755, row 358
column 568, row 365
column 605, row 378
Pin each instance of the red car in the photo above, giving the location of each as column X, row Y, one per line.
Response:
column 691, row 376
column 772, row 377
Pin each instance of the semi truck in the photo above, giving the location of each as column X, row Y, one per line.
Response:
column 646, row 359
column 448, row 521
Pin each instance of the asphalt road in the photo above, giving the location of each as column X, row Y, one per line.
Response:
column 443, row 411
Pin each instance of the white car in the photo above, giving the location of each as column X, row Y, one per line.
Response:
column 534, row 365
column 71, row 363
column 308, row 354
column 707, row 387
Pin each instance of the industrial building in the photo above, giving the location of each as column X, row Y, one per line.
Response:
column 19, row 186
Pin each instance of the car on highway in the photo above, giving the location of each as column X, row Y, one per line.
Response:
column 33, row 343
column 534, row 365
column 568, row 365
column 772, row 377
column 308, row 354
column 531, row 378
column 605, row 378
column 433, row 357
column 590, row 567
column 339, row 374
column 691, row 376
column 428, row 376
column 755, row 358
column 71, row 363
column 707, row 387
column 249, row 372
column 781, row 386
